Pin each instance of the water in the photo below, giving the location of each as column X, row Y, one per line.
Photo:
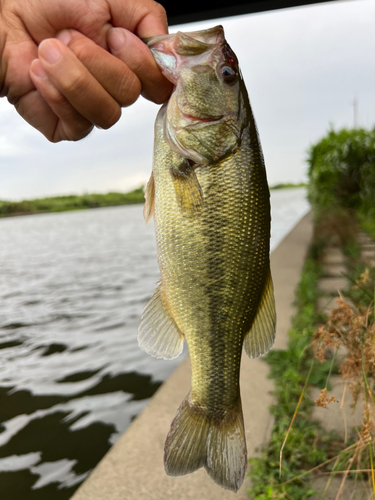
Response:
column 73, row 286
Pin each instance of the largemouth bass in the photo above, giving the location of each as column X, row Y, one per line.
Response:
column 209, row 197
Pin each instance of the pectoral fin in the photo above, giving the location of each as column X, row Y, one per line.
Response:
column 260, row 338
column 149, row 207
column 188, row 191
column 158, row 334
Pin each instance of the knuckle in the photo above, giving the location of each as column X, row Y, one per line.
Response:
column 56, row 99
column 112, row 118
column 66, row 131
column 160, row 11
column 55, row 137
column 82, row 49
column 130, row 90
column 79, row 133
column 162, row 97
column 159, row 94
column 74, row 84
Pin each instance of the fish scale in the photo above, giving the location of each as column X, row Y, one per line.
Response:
column 209, row 197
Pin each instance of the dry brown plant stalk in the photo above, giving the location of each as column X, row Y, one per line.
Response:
column 323, row 401
column 351, row 327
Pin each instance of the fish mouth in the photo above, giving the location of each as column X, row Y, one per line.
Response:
column 213, row 35
column 205, row 120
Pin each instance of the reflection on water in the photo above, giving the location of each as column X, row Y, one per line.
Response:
column 72, row 289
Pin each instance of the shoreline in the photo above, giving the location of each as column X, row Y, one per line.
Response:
column 91, row 201
column 41, row 212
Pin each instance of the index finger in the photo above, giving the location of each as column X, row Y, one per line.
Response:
column 137, row 56
column 145, row 18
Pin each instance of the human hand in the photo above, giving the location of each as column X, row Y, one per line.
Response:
column 69, row 84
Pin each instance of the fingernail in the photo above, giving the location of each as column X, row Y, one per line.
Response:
column 37, row 69
column 64, row 36
column 116, row 38
column 49, row 51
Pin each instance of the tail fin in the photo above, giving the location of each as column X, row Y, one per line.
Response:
column 198, row 440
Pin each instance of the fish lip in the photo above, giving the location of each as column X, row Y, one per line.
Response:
column 208, row 119
column 150, row 41
column 204, row 36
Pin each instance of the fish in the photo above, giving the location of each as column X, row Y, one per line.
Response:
column 209, row 197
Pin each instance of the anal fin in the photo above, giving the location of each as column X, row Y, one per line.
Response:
column 158, row 334
column 188, row 191
column 260, row 338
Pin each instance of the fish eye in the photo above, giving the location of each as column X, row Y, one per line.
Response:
column 228, row 73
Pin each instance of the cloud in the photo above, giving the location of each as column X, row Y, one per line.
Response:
column 303, row 67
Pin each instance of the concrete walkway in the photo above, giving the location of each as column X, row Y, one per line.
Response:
column 133, row 468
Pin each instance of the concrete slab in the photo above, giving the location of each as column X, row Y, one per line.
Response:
column 133, row 468
column 333, row 270
column 330, row 286
column 324, row 304
column 352, row 490
column 368, row 254
column 333, row 256
column 364, row 238
column 339, row 416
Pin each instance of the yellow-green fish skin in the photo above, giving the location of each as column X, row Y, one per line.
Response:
column 214, row 264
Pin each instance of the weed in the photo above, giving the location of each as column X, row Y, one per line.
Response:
column 300, row 446
column 307, row 445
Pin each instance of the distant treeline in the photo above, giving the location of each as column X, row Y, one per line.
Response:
column 288, row 185
column 72, row 202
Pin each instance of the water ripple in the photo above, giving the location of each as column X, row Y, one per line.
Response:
column 73, row 287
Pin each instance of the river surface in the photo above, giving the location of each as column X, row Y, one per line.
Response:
column 73, row 286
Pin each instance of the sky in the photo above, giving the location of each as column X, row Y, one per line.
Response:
column 303, row 68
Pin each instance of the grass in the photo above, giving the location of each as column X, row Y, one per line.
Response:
column 72, row 202
column 300, row 446
column 367, row 222
column 82, row 202
column 289, row 185
column 306, row 446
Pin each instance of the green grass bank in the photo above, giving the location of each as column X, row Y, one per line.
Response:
column 71, row 202
column 341, row 191
column 82, row 202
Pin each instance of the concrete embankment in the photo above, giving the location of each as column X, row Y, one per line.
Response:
column 133, row 468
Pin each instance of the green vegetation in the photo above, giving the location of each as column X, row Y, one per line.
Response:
column 307, row 445
column 304, row 443
column 342, row 175
column 288, row 185
column 342, row 193
column 73, row 202
column 342, row 178
column 81, row 202
column 342, row 172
